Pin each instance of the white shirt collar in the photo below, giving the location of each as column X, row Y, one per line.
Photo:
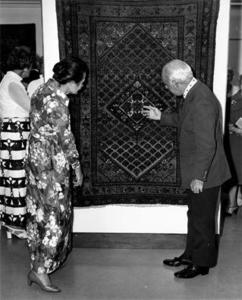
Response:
column 189, row 86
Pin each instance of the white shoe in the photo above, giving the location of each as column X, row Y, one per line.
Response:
column 11, row 230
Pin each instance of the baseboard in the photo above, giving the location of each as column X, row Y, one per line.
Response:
column 129, row 240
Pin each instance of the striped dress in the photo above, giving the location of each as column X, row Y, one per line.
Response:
column 14, row 131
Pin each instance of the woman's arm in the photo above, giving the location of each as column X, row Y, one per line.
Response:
column 234, row 129
column 19, row 96
column 59, row 123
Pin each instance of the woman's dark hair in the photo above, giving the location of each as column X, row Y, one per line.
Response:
column 20, row 58
column 70, row 69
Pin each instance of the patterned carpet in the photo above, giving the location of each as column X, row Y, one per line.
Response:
column 125, row 157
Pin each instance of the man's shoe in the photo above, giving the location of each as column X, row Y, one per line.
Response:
column 192, row 271
column 177, row 261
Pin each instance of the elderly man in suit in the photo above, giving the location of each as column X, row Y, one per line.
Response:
column 203, row 163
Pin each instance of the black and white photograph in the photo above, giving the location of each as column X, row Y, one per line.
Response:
column 121, row 149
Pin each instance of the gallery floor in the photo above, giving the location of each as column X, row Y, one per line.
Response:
column 126, row 274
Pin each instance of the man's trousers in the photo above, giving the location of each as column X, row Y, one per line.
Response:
column 201, row 244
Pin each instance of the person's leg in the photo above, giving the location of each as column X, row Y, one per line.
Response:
column 190, row 231
column 12, row 176
column 204, row 243
column 239, row 196
column 232, row 204
column 185, row 257
column 201, row 242
column 43, row 233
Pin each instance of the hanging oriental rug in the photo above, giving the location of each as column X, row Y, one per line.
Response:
column 125, row 157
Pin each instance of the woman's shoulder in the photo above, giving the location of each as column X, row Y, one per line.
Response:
column 45, row 89
column 10, row 77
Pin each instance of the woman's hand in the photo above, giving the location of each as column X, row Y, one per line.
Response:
column 79, row 177
column 234, row 129
column 151, row 112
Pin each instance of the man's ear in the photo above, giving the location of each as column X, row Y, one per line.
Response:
column 177, row 84
column 174, row 83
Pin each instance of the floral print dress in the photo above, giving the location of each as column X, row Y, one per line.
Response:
column 51, row 152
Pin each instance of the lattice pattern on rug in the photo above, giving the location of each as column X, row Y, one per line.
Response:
column 127, row 158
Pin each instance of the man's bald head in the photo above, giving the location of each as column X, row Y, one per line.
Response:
column 176, row 75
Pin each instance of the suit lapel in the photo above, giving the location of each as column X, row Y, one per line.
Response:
column 187, row 103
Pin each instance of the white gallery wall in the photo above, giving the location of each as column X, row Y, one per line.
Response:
column 130, row 218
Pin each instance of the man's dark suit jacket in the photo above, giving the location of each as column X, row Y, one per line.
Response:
column 199, row 123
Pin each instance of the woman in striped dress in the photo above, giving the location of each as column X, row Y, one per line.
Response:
column 14, row 131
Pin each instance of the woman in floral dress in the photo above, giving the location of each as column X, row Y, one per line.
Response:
column 52, row 152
